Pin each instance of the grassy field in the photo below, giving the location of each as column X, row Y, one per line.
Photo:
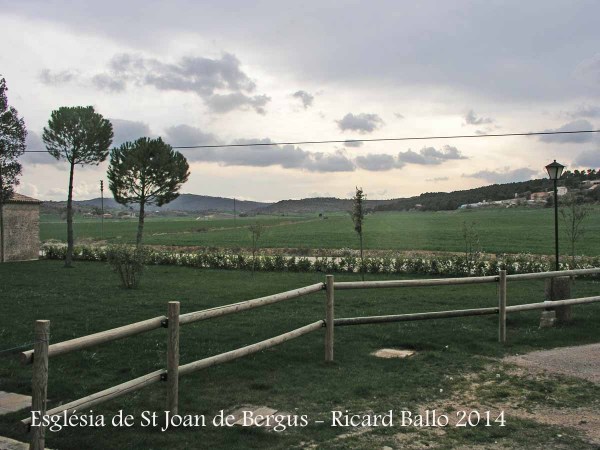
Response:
column 500, row 231
column 292, row 377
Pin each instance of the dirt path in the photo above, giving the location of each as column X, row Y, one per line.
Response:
column 581, row 362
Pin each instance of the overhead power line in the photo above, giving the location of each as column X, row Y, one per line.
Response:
column 346, row 141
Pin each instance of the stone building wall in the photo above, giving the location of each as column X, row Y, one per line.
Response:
column 21, row 231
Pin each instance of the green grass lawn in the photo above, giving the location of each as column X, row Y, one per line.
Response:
column 500, row 231
column 291, row 377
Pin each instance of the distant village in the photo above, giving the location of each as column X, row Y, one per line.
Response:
column 534, row 198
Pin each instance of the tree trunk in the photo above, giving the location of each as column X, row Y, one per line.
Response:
column 69, row 256
column 140, row 231
column 253, row 253
column 1, row 227
column 362, row 261
column 1, row 216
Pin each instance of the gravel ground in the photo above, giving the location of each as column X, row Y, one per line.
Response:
column 581, row 361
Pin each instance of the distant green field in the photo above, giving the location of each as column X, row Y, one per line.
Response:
column 500, row 230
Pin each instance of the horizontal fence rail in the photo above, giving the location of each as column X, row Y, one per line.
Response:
column 415, row 316
column 105, row 395
column 414, row 283
column 248, row 304
column 555, row 273
column 249, row 349
column 160, row 375
column 162, row 321
column 98, row 338
column 552, row 304
column 461, row 281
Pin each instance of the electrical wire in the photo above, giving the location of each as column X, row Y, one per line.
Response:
column 346, row 141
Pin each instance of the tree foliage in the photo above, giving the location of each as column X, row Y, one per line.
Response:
column 573, row 212
column 78, row 135
column 358, row 217
column 472, row 245
column 12, row 144
column 146, row 172
column 256, row 230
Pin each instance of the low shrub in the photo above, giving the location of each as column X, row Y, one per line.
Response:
column 128, row 262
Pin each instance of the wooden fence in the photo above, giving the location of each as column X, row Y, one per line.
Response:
column 42, row 350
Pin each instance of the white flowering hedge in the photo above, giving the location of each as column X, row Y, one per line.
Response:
column 453, row 265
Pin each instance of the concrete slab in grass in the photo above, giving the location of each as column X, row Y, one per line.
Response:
column 393, row 353
column 11, row 402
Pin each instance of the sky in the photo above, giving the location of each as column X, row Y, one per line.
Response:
column 241, row 71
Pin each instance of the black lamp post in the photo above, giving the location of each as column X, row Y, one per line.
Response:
column 555, row 170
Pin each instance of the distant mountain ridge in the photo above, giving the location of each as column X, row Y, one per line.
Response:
column 316, row 205
column 185, row 202
column 432, row 201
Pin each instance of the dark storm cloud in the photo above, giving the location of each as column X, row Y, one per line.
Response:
column 472, row 119
column 430, row 156
column 286, row 156
column 378, row 162
column 185, row 135
column 584, row 110
column 503, row 176
column 353, row 143
column 56, row 78
column 576, row 125
column 128, row 130
column 222, row 103
column 190, row 74
column 305, row 97
column 524, row 64
column 34, row 142
column 328, row 162
column 106, row 82
column 589, row 70
column 221, row 83
column 362, row 123
column 590, row 159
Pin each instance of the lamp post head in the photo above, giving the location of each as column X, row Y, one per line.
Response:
column 554, row 170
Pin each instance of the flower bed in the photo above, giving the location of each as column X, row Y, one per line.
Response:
column 453, row 265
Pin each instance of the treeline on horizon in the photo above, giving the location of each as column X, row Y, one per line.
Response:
column 445, row 201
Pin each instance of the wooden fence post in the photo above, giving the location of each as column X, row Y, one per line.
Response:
column 502, row 307
column 329, row 315
column 173, row 358
column 39, row 382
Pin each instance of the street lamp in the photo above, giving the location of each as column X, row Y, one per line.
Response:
column 555, row 170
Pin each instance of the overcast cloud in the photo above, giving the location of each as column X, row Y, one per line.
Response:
column 472, row 119
column 576, row 125
column 430, row 156
column 361, row 123
column 585, row 110
column 306, row 98
column 128, row 131
column 236, row 69
column 378, row 162
column 589, row 159
column 506, row 175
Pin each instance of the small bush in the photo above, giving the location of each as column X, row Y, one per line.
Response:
column 128, row 262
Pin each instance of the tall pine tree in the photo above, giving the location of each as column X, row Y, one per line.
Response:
column 12, row 145
column 80, row 136
column 146, row 172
